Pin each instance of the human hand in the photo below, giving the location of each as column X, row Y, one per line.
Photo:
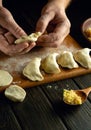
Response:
column 9, row 31
column 54, row 20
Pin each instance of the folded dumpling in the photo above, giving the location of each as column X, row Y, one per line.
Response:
column 65, row 59
column 32, row 70
column 49, row 64
column 82, row 56
column 30, row 38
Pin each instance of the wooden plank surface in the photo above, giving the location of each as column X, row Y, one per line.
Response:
column 74, row 117
column 43, row 108
column 15, row 64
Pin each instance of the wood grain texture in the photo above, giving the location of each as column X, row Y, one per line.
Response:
column 36, row 112
column 15, row 65
column 43, row 108
column 74, row 117
column 8, row 120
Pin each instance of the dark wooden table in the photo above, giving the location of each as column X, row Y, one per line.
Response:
column 43, row 108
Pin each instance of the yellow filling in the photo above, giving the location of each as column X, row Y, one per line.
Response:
column 70, row 97
column 88, row 33
column 30, row 38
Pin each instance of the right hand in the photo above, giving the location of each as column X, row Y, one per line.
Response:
column 55, row 21
column 9, row 32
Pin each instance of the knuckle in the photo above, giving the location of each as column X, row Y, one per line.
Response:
column 18, row 30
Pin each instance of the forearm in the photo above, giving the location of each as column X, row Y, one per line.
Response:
column 62, row 3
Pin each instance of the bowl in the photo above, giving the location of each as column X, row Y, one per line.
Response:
column 86, row 29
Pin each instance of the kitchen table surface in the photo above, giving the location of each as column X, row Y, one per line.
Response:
column 43, row 107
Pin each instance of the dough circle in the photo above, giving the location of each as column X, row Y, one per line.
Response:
column 15, row 93
column 5, row 78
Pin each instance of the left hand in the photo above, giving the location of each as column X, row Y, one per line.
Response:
column 54, row 20
column 9, row 31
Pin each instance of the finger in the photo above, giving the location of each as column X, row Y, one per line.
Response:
column 16, row 49
column 62, row 28
column 19, row 47
column 11, row 49
column 47, row 41
column 46, row 38
column 10, row 38
column 50, row 40
column 60, row 32
column 15, row 29
column 3, row 44
column 32, row 45
column 2, row 30
column 44, row 21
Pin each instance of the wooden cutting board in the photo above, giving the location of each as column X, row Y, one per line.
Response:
column 14, row 65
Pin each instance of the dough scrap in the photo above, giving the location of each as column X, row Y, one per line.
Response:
column 31, row 38
column 5, row 78
column 49, row 64
column 32, row 70
column 83, row 57
column 65, row 59
column 15, row 93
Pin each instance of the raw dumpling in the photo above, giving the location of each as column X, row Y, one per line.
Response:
column 15, row 93
column 5, row 78
column 32, row 70
column 49, row 64
column 83, row 57
column 31, row 38
column 65, row 59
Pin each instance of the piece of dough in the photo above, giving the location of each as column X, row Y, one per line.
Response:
column 5, row 78
column 15, row 93
column 65, row 59
column 32, row 70
column 31, row 38
column 49, row 64
column 82, row 56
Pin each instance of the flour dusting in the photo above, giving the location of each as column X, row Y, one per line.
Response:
column 17, row 63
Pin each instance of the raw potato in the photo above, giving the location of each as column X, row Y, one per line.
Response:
column 5, row 78
column 49, row 64
column 15, row 93
column 65, row 59
column 83, row 57
column 32, row 70
column 31, row 38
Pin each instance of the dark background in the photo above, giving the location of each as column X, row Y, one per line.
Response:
column 26, row 13
column 78, row 12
